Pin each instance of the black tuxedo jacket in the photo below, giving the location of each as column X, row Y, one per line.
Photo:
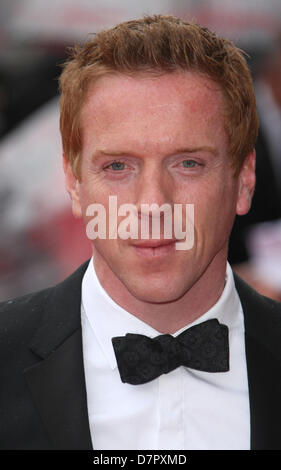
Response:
column 42, row 386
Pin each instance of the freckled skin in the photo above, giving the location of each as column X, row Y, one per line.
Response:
column 153, row 125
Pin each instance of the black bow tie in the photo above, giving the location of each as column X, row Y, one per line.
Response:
column 203, row 347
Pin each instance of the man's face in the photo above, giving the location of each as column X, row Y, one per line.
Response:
column 159, row 140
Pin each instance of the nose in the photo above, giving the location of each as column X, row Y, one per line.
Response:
column 154, row 189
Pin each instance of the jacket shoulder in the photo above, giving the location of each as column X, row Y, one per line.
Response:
column 23, row 302
column 21, row 314
column 257, row 301
column 262, row 316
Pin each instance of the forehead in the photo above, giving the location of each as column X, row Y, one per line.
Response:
column 170, row 87
column 120, row 105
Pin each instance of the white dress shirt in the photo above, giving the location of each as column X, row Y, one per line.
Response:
column 185, row 409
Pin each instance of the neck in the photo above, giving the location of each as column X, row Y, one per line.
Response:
column 198, row 299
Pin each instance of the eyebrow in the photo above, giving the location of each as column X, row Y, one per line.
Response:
column 112, row 153
column 203, row 148
column 109, row 153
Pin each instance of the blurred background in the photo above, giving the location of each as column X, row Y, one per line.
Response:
column 40, row 241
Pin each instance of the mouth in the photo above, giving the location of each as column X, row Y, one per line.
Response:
column 155, row 248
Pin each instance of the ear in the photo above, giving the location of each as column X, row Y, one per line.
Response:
column 247, row 180
column 72, row 185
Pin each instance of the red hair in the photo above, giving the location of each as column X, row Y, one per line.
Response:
column 160, row 44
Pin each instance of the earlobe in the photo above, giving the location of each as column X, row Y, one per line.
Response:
column 72, row 186
column 247, row 181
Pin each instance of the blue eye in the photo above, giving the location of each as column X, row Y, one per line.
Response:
column 189, row 163
column 117, row 166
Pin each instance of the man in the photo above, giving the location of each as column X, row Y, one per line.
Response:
column 153, row 111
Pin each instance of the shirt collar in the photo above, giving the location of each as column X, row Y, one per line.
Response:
column 107, row 319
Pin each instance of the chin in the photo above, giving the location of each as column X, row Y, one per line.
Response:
column 156, row 292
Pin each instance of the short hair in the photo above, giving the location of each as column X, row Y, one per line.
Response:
column 160, row 44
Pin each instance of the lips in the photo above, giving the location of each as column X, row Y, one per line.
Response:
column 154, row 248
column 153, row 243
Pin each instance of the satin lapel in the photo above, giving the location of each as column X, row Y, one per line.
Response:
column 57, row 382
column 57, row 385
column 263, row 355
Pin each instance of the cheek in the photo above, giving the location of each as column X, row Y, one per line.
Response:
column 215, row 207
column 92, row 191
column 88, row 196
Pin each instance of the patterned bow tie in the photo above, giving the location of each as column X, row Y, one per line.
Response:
column 203, row 347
